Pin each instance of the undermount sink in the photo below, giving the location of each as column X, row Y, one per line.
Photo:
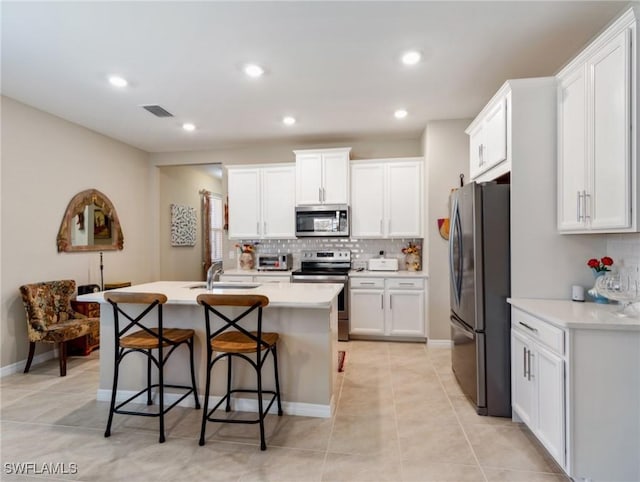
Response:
column 220, row 285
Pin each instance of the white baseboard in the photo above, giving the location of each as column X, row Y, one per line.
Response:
column 239, row 404
column 18, row 367
column 439, row 343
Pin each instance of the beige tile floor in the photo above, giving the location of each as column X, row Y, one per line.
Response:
column 400, row 417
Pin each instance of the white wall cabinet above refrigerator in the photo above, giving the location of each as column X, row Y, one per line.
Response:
column 597, row 134
column 488, row 139
column 261, row 201
column 322, row 176
column 387, row 198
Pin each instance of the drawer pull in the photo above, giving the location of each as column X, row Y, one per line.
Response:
column 367, row 283
column 407, row 284
column 530, row 328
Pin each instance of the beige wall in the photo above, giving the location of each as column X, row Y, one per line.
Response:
column 181, row 185
column 446, row 149
column 283, row 152
column 45, row 162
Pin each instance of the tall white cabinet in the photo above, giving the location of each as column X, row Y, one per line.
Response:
column 597, row 134
column 261, row 201
column 322, row 176
column 387, row 198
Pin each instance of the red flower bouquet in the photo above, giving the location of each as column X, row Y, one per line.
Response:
column 600, row 265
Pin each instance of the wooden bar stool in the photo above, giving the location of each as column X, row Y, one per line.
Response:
column 144, row 341
column 233, row 341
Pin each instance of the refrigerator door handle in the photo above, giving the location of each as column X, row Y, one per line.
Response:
column 455, row 269
column 460, row 326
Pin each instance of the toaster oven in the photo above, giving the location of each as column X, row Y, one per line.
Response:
column 274, row 262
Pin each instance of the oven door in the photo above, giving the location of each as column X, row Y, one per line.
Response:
column 343, row 298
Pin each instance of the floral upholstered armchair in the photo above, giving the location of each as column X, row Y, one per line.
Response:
column 50, row 318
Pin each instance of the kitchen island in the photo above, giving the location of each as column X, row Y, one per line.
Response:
column 305, row 316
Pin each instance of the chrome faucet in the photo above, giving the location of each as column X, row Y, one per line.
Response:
column 213, row 274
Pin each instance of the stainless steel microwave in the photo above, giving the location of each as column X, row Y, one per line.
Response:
column 322, row 220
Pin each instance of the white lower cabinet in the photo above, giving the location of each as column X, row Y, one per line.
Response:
column 577, row 387
column 392, row 307
column 537, row 351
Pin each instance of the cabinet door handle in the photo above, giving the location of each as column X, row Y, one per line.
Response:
column 578, row 204
column 324, row 194
column 480, row 154
column 524, row 361
column 381, row 229
column 390, row 302
column 531, row 355
column 586, row 195
column 257, row 227
column 264, row 226
column 382, row 302
column 530, row 328
column 320, row 194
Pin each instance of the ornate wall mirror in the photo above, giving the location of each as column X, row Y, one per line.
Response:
column 90, row 223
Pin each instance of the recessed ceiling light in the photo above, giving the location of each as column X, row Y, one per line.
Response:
column 253, row 70
column 117, row 81
column 411, row 57
column 288, row 120
column 188, row 126
column 400, row 114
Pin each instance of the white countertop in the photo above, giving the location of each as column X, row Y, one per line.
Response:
column 286, row 295
column 255, row 272
column 388, row 274
column 581, row 315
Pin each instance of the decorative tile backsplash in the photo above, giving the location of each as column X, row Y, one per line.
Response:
column 361, row 249
column 624, row 249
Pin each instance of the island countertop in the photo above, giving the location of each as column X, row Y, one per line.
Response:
column 284, row 295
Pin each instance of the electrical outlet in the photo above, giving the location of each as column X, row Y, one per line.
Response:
column 232, row 254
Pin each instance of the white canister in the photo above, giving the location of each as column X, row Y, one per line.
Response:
column 577, row 293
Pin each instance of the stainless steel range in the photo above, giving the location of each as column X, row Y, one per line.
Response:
column 329, row 267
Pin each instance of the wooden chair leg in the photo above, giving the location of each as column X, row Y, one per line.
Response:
column 32, row 350
column 62, row 348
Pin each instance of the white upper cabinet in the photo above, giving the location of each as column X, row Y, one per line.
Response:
column 261, row 201
column 367, row 200
column 387, row 198
column 597, row 135
column 488, row 139
column 322, row 176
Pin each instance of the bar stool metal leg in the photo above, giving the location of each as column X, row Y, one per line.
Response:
column 275, row 369
column 149, row 400
column 193, row 374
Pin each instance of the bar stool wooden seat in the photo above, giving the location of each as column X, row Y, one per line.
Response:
column 144, row 341
column 234, row 341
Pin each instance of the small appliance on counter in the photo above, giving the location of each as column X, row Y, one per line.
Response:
column 274, row 262
column 383, row 264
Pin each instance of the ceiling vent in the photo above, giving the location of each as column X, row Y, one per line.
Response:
column 157, row 111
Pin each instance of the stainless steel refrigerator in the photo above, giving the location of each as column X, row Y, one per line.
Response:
column 480, row 285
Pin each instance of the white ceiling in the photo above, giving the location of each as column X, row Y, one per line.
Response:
column 333, row 65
